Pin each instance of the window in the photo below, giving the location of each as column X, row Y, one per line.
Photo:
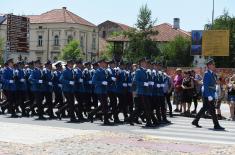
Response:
column 104, row 34
column 56, row 40
column 94, row 43
column 40, row 40
column 82, row 42
column 40, row 27
column 70, row 38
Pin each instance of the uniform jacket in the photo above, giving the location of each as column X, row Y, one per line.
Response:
column 209, row 84
column 67, row 76
column 139, row 79
column 100, row 76
column 8, row 74
column 34, row 78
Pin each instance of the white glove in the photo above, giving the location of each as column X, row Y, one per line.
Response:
column 40, row 81
column 124, row 85
column 146, row 84
column 60, row 85
column 152, row 83
column 80, row 80
column 105, row 83
column 158, row 85
column 210, row 98
column 129, row 84
column 162, row 85
column 71, row 82
column 90, row 82
column 11, row 81
column 113, row 78
column 22, row 80
column 50, row 83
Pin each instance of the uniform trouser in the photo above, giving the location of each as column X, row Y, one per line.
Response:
column 210, row 107
column 38, row 100
column 122, row 106
column 5, row 104
column 160, row 107
column 103, row 98
column 80, row 101
column 113, row 104
column 21, row 97
column 145, row 102
column 129, row 102
column 94, row 99
column 70, row 104
column 168, row 101
column 87, row 101
column 138, row 109
column 11, row 97
column 48, row 97
column 59, row 98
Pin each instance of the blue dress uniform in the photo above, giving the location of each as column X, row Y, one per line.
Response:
column 9, row 86
column 67, row 80
column 159, row 98
column 37, row 87
column 87, row 87
column 209, row 84
column 21, row 87
column 112, row 90
column 100, row 81
column 93, row 95
column 79, row 92
column 142, row 91
column 129, row 100
column 48, row 89
column 121, row 91
column 57, row 86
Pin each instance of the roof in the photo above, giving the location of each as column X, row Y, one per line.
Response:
column 167, row 33
column 59, row 16
column 124, row 27
column 120, row 38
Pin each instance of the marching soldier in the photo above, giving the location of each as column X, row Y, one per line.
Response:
column 37, row 87
column 67, row 80
column 93, row 95
column 48, row 88
column 209, row 89
column 9, row 85
column 79, row 89
column 100, row 81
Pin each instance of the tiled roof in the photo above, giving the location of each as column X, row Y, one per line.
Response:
column 59, row 16
column 124, row 27
column 167, row 33
column 118, row 38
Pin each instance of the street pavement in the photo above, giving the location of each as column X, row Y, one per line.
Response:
column 28, row 131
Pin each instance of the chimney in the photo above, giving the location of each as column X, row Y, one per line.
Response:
column 176, row 24
column 64, row 8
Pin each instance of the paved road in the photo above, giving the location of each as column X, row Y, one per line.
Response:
column 180, row 129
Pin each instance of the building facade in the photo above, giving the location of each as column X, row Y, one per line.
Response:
column 50, row 32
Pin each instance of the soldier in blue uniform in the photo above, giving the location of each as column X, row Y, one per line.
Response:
column 159, row 98
column 48, row 88
column 67, row 80
column 79, row 89
column 142, row 89
column 87, row 77
column 209, row 90
column 100, row 82
column 37, row 87
column 93, row 95
column 21, row 87
column 112, row 90
column 9, row 85
column 57, row 87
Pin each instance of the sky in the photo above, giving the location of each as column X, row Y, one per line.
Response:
column 193, row 14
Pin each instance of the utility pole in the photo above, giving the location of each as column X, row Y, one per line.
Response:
column 213, row 13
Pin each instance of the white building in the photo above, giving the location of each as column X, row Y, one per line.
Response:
column 52, row 30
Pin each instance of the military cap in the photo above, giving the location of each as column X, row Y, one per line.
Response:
column 79, row 61
column 48, row 62
column 37, row 62
column 9, row 60
column 102, row 60
column 87, row 63
column 210, row 61
column 143, row 59
column 58, row 64
column 70, row 61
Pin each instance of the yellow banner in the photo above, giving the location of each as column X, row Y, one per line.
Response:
column 215, row 43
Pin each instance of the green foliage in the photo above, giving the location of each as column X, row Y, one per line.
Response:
column 72, row 51
column 140, row 42
column 226, row 22
column 108, row 53
column 177, row 52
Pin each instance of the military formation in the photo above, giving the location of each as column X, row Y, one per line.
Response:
column 85, row 91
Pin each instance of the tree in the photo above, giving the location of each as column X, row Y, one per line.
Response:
column 177, row 52
column 72, row 51
column 140, row 42
column 226, row 22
